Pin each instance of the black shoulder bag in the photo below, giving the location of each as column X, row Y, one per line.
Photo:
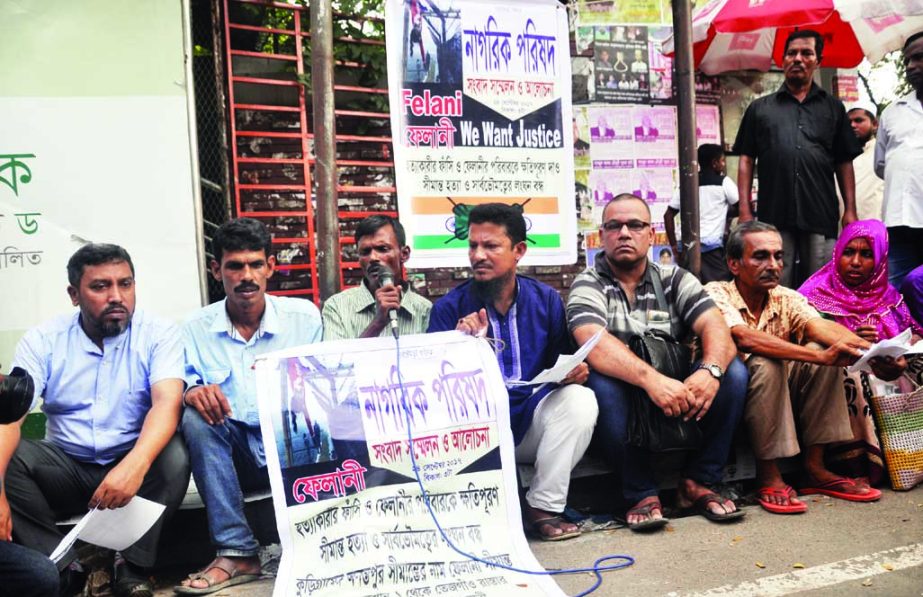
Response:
column 648, row 427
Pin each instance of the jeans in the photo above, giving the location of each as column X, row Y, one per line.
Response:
column 905, row 252
column 25, row 572
column 223, row 466
column 705, row 466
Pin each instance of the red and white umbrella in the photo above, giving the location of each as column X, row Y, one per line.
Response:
column 750, row 34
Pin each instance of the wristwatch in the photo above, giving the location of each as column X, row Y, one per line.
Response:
column 715, row 371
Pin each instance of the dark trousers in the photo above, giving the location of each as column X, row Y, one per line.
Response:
column 714, row 266
column 705, row 466
column 25, row 572
column 43, row 484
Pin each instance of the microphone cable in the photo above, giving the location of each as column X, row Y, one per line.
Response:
column 598, row 567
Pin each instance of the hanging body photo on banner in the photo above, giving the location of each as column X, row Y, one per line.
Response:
column 351, row 516
column 481, row 112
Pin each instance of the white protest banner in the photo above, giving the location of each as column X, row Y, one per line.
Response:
column 480, row 98
column 351, row 516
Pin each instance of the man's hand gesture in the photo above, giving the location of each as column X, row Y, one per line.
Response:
column 671, row 396
column 703, row 387
column 844, row 353
column 6, row 520
column 388, row 298
column 210, row 402
column 473, row 324
column 577, row 375
column 120, row 485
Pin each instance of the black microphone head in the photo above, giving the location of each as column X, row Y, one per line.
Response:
column 16, row 392
column 385, row 275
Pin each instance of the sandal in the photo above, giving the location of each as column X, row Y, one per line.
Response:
column 226, row 565
column 837, row 487
column 784, row 492
column 646, row 510
column 535, row 529
column 128, row 581
column 700, row 507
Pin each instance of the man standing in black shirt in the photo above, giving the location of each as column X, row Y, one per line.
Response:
column 800, row 137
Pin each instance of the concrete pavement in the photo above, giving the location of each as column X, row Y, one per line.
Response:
column 836, row 548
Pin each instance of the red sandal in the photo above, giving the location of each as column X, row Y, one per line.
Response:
column 783, row 492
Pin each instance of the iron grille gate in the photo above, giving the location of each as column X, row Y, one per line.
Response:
column 267, row 45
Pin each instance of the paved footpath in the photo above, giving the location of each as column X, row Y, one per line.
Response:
column 836, row 549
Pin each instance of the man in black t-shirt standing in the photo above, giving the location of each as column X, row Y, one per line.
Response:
column 800, row 138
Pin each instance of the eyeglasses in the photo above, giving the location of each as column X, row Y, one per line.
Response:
column 633, row 225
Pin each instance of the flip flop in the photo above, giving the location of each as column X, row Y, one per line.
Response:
column 651, row 523
column 235, row 577
column 700, row 507
column 830, row 488
column 784, row 492
column 535, row 529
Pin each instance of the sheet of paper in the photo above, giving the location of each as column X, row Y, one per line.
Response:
column 892, row 347
column 114, row 529
column 564, row 365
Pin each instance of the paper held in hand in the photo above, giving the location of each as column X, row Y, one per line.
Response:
column 115, row 529
column 564, row 365
column 893, row 347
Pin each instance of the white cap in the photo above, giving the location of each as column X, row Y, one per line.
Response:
column 867, row 106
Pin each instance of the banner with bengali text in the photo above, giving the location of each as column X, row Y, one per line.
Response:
column 481, row 112
column 351, row 517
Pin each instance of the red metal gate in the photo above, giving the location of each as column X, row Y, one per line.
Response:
column 271, row 139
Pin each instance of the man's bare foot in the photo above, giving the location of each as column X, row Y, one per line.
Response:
column 820, row 477
column 705, row 501
column 646, row 515
column 549, row 526
column 223, row 571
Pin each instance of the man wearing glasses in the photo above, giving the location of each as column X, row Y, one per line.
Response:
column 617, row 293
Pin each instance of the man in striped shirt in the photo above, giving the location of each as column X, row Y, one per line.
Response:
column 364, row 311
column 617, row 293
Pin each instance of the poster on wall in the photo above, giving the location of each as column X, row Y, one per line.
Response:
column 633, row 12
column 481, row 112
column 347, row 421
column 622, row 65
column 77, row 152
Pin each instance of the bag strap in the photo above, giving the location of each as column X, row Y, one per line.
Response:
column 658, row 291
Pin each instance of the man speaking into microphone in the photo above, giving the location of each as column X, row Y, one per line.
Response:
column 367, row 310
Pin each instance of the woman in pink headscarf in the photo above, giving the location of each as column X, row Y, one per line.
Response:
column 853, row 290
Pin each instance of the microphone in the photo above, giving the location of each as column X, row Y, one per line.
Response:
column 386, row 280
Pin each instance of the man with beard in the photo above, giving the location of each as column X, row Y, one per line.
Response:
column 627, row 294
column 365, row 311
column 552, row 426
column 800, row 139
column 795, row 359
column 111, row 380
column 869, row 188
column 221, row 422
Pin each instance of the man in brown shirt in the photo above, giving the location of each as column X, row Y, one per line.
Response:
column 795, row 360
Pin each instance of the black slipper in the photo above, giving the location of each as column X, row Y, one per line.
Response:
column 700, row 507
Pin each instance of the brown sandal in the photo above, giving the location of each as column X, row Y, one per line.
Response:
column 647, row 510
column 226, row 565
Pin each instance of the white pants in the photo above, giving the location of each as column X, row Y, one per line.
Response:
column 559, row 435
